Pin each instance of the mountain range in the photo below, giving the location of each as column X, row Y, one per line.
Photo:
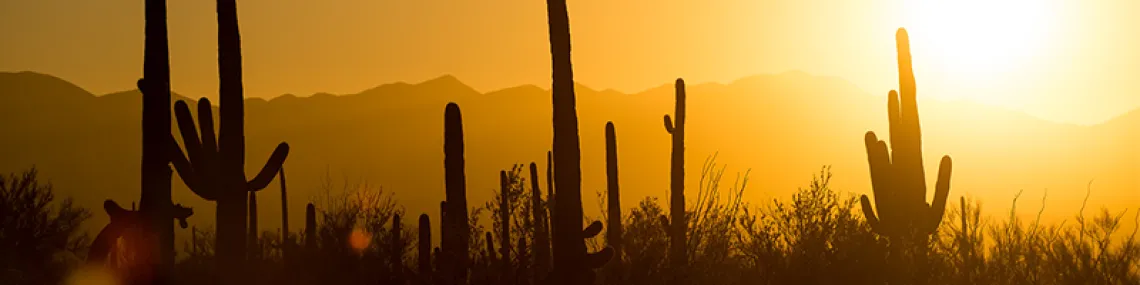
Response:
column 780, row 129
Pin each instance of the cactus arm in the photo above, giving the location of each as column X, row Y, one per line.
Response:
column 941, row 191
column 189, row 131
column 879, row 161
column 668, row 124
column 181, row 213
column 869, row 213
column 272, row 166
column 592, row 230
column 206, row 126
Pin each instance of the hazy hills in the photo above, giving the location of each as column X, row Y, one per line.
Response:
column 783, row 127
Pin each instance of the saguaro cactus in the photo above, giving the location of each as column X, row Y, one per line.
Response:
column 572, row 263
column 505, row 227
column 423, row 253
column 310, row 228
column 678, row 223
column 215, row 170
column 897, row 177
column 254, row 249
column 456, row 237
column 613, row 194
column 541, row 228
column 287, row 239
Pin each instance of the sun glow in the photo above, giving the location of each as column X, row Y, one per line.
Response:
column 980, row 40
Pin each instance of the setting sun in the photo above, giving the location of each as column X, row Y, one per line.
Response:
column 979, row 40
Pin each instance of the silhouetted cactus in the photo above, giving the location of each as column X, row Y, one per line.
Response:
column 215, row 170
column 898, row 178
column 310, row 228
column 613, row 194
column 678, row 223
column 572, row 263
column 396, row 256
column 541, row 242
column 550, row 189
column 490, row 253
column 254, row 250
column 155, row 86
column 287, row 243
column 505, row 228
column 423, row 253
column 456, row 233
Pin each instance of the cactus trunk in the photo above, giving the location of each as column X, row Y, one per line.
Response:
column 156, row 174
column 613, row 194
column 541, row 229
column 423, row 253
column 456, row 237
column 310, row 229
column 505, row 227
column 678, row 258
column 572, row 263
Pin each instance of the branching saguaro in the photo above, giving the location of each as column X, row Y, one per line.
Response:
column 215, row 169
column 678, row 223
column 572, row 263
column 897, row 176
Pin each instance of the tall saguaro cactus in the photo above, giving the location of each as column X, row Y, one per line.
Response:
column 897, row 176
column 678, row 258
column 613, row 194
column 572, row 263
column 215, row 170
column 455, row 218
column 541, row 242
column 155, row 196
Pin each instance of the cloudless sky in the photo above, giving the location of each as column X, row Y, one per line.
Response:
column 1068, row 61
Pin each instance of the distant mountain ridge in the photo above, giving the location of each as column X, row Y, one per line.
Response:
column 783, row 127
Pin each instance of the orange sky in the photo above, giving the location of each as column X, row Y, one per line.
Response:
column 1070, row 61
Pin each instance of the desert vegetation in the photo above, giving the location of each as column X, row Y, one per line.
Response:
column 357, row 233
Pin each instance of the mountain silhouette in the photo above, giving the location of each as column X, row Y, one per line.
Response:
column 783, row 127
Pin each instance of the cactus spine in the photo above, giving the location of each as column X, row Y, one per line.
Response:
column 541, row 237
column 455, row 223
column 423, row 253
column 898, row 178
column 613, row 194
column 215, row 170
column 505, row 228
column 572, row 263
column 678, row 258
column 310, row 228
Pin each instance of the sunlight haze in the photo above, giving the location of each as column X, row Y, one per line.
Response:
column 1064, row 61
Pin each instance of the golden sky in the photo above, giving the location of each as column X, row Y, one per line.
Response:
column 1069, row 61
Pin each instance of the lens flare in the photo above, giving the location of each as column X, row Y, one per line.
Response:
column 91, row 275
column 359, row 239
